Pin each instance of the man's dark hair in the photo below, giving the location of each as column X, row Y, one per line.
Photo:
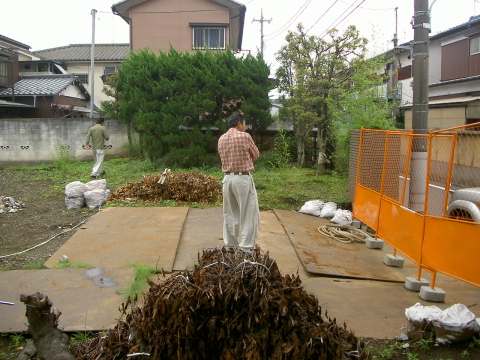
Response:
column 100, row 121
column 234, row 119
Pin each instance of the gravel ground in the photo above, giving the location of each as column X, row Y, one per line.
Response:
column 43, row 217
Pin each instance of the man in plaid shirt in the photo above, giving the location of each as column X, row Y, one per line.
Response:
column 240, row 204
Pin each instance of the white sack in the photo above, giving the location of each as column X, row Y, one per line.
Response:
column 75, row 203
column 312, row 207
column 328, row 210
column 97, row 184
column 455, row 324
column 342, row 217
column 75, row 189
column 96, row 198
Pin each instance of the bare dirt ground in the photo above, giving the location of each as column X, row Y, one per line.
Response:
column 45, row 216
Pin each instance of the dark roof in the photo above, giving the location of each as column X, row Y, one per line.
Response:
column 47, row 85
column 81, row 52
column 474, row 21
column 14, row 42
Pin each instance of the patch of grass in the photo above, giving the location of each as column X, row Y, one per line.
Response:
column 411, row 356
column 72, row 264
column 142, row 273
column 424, row 344
column 36, row 265
column 81, row 336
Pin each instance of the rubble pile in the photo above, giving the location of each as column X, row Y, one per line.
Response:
column 184, row 187
column 10, row 205
column 230, row 306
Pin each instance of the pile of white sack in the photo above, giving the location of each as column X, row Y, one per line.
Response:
column 455, row 324
column 92, row 194
column 327, row 210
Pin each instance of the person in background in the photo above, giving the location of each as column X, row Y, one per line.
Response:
column 240, row 203
column 98, row 134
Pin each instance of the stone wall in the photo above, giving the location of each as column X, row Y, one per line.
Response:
column 31, row 141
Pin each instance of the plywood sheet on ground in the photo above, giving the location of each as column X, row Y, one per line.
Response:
column 376, row 309
column 118, row 236
column 203, row 229
column 322, row 255
column 84, row 306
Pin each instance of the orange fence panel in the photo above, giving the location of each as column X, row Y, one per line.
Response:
column 452, row 247
column 421, row 194
column 402, row 228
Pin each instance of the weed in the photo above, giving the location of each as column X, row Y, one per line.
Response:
column 424, row 344
column 36, row 265
column 142, row 273
column 17, row 340
column 72, row 264
column 476, row 341
column 411, row 356
column 465, row 353
column 81, row 336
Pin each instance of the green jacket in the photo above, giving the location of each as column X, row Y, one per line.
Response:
column 97, row 133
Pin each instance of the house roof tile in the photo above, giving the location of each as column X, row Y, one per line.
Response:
column 81, row 52
column 47, row 85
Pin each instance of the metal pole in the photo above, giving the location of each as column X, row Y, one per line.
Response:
column 395, row 70
column 262, row 43
column 92, row 66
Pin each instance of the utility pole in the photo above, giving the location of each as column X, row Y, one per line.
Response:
column 262, row 20
column 418, row 175
column 92, row 66
column 395, row 70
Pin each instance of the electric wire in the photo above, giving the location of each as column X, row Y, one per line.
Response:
column 344, row 233
column 344, row 18
column 289, row 22
column 46, row 241
column 321, row 16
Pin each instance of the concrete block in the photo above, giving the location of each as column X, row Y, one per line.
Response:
column 429, row 294
column 364, row 227
column 372, row 243
column 413, row 284
column 356, row 223
column 396, row 261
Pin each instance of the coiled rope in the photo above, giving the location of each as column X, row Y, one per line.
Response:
column 344, row 233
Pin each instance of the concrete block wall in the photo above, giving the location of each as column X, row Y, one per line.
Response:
column 31, row 141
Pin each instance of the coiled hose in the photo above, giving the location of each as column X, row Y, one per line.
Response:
column 344, row 233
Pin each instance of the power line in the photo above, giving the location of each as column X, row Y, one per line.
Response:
column 321, row 16
column 291, row 20
column 346, row 16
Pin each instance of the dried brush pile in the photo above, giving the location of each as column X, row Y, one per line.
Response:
column 229, row 307
column 184, row 187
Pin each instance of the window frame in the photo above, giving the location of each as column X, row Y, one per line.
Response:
column 477, row 39
column 221, row 39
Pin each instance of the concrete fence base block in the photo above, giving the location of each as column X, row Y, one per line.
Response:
column 372, row 243
column 363, row 226
column 413, row 284
column 356, row 223
column 429, row 294
column 396, row 261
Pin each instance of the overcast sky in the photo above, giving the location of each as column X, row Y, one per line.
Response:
column 53, row 23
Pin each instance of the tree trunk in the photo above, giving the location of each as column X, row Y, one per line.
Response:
column 50, row 342
column 301, row 153
column 322, row 149
column 28, row 352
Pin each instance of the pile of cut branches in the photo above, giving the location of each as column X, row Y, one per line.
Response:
column 184, row 187
column 230, row 306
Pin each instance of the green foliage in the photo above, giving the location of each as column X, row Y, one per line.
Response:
column 174, row 99
column 142, row 273
column 62, row 153
column 281, row 148
column 411, row 356
column 36, row 265
column 424, row 344
column 81, row 336
column 72, row 264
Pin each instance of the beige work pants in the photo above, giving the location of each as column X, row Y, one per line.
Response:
column 240, row 211
column 98, row 156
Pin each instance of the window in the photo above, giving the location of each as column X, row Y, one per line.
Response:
column 43, row 67
column 83, row 78
column 208, row 37
column 109, row 70
column 475, row 45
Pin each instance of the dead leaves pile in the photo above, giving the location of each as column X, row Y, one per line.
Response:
column 183, row 187
column 229, row 307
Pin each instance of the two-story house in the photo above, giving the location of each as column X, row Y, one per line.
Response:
column 454, row 76
column 31, row 86
column 76, row 59
column 186, row 25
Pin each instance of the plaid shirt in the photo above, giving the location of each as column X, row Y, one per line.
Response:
column 237, row 151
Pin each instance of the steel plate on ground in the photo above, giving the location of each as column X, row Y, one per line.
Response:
column 118, row 236
column 84, row 306
column 326, row 256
